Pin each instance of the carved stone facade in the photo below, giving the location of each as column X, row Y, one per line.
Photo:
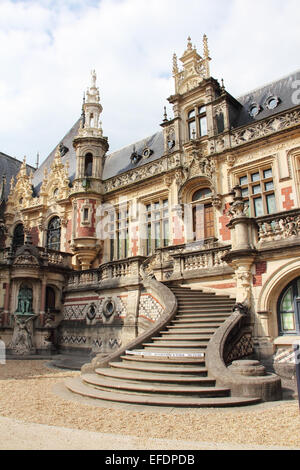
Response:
column 205, row 201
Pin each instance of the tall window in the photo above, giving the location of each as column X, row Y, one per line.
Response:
column 157, row 225
column 197, row 123
column 258, row 190
column 53, row 234
column 88, row 165
column 122, row 233
column 289, row 309
column 50, row 299
column 18, row 236
column 203, row 215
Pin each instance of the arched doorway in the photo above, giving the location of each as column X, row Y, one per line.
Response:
column 288, row 309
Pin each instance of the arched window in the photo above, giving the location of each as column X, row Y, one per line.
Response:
column 88, row 165
column 289, row 309
column 53, row 234
column 203, row 214
column 18, row 236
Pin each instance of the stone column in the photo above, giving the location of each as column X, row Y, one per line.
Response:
column 43, row 302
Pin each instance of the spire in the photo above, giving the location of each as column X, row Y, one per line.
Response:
column 91, row 110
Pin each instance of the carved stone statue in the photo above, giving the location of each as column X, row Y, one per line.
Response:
column 25, row 301
column 22, row 341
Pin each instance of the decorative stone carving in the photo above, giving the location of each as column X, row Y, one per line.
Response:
column 22, row 340
column 238, row 207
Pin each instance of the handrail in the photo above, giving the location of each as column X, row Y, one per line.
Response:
column 266, row 387
column 166, row 298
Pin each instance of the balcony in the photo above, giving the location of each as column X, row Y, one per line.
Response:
column 280, row 229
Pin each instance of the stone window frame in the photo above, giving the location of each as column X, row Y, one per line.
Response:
column 255, row 167
column 196, row 118
column 86, row 222
column 146, row 222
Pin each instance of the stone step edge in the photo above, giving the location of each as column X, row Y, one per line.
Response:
column 154, row 377
column 164, row 354
column 77, row 387
column 119, row 384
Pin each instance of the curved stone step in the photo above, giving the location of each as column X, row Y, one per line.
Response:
column 114, row 384
column 148, row 376
column 174, row 337
column 170, row 361
column 152, row 367
column 76, row 386
column 176, row 345
column 191, row 331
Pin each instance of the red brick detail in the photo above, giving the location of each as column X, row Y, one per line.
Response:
column 261, row 268
column 68, row 236
column 224, row 221
column 86, row 231
column 34, row 232
column 229, row 285
column 288, row 203
column 135, row 240
column 178, row 232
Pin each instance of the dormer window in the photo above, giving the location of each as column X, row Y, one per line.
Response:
column 197, row 123
column 254, row 110
column 272, row 102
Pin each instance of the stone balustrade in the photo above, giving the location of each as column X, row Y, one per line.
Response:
column 282, row 226
column 187, row 262
column 113, row 271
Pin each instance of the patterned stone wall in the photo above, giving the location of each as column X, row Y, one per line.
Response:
column 150, row 308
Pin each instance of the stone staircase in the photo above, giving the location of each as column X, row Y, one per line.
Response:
column 170, row 370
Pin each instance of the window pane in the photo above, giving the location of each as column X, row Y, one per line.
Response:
column 192, row 129
column 288, row 321
column 268, row 173
column 255, row 177
column 243, row 180
column 166, row 232
column 271, row 203
column 203, row 126
column 191, row 114
column 256, row 189
column 245, row 192
column 157, row 235
column 287, row 303
column 149, row 240
column 269, row 186
column 202, row 109
column 258, row 207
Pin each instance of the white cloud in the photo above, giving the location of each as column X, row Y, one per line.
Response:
column 50, row 46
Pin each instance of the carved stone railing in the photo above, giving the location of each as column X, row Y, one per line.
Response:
column 186, row 263
column 277, row 227
column 266, row 387
column 58, row 258
column 169, row 303
column 113, row 271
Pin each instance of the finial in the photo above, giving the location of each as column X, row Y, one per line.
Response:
column 222, row 86
column 165, row 114
column 194, row 134
column 37, row 160
column 94, row 78
column 175, row 64
column 189, row 44
column 205, row 47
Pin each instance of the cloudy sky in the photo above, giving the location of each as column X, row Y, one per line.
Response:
column 48, row 48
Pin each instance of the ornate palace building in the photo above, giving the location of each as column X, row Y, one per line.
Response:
column 183, row 247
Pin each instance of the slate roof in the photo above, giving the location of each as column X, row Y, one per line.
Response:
column 119, row 162
column 281, row 88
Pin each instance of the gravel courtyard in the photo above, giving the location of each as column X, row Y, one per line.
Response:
column 29, row 394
